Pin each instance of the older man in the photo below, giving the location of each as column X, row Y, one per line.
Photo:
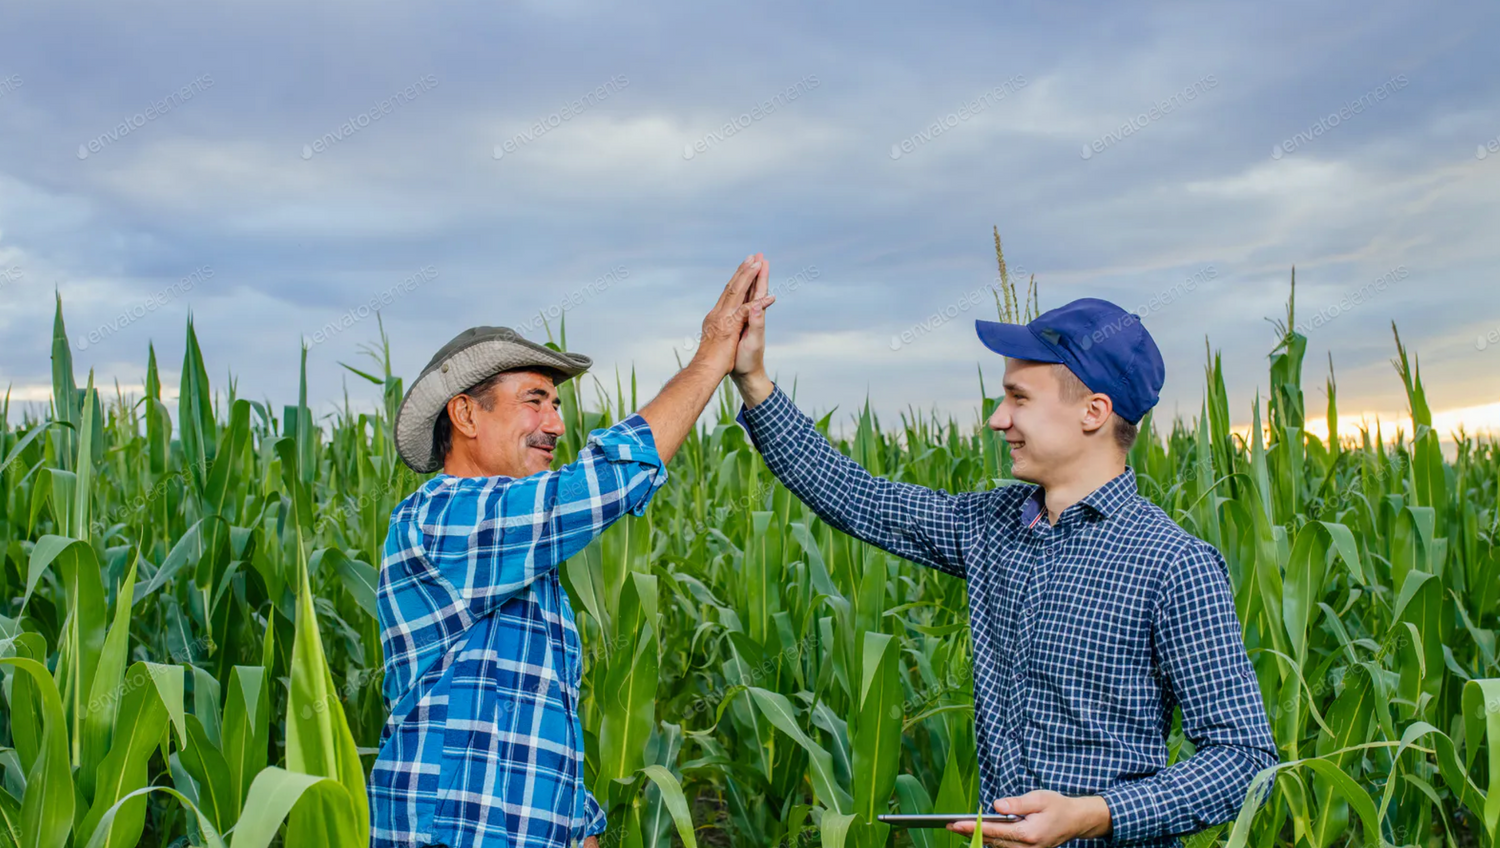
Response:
column 482, row 660
column 1094, row 615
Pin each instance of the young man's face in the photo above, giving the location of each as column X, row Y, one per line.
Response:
column 1044, row 429
column 517, row 436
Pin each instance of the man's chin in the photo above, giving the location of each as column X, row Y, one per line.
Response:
column 539, row 461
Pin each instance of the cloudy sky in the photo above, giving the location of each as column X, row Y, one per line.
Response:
column 275, row 168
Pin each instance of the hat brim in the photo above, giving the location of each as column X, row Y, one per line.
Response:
column 429, row 395
column 1015, row 341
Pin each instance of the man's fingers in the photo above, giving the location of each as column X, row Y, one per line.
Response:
column 1020, row 805
column 734, row 293
column 742, row 281
column 734, row 279
column 762, row 281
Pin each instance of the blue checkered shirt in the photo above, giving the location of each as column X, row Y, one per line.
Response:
column 482, row 656
column 1086, row 634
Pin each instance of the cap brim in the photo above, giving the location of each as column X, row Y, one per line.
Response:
column 430, row 394
column 1015, row 341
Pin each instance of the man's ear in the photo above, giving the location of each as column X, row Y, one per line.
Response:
column 1097, row 413
column 461, row 414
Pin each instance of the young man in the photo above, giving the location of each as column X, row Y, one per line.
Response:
column 1093, row 614
column 482, row 661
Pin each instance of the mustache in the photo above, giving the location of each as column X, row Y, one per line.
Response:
column 542, row 441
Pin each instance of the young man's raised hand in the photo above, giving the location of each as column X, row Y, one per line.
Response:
column 749, row 371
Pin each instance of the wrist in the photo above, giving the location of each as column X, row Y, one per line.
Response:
column 1092, row 814
column 754, row 387
column 711, row 362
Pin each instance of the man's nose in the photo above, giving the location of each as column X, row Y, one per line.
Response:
column 552, row 424
column 1000, row 418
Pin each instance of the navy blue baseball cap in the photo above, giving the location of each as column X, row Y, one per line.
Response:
column 1106, row 347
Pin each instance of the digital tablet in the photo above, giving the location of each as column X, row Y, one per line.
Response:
column 942, row 820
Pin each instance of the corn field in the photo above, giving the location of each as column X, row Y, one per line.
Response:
column 191, row 654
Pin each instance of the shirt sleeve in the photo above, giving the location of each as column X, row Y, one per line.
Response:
column 910, row 521
column 492, row 536
column 1201, row 654
column 593, row 813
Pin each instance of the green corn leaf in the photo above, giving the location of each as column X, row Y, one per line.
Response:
column 141, row 719
column 99, row 714
column 205, row 763
column 1481, row 706
column 317, row 733
column 104, row 832
column 47, row 808
column 671, row 794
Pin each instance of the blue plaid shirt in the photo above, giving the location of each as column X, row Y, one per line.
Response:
column 482, row 657
column 1086, row 634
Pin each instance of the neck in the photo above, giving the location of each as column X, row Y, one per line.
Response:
column 462, row 463
column 1073, row 484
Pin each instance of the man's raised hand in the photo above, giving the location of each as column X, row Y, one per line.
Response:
column 725, row 323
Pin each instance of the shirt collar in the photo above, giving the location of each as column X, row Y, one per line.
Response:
column 1105, row 501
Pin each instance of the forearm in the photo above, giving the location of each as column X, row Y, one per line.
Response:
column 674, row 411
column 1204, row 790
column 910, row 521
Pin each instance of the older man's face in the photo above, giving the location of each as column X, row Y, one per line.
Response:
column 517, row 436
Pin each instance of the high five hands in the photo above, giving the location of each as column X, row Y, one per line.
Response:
column 742, row 303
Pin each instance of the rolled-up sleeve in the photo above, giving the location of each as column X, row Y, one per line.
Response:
column 492, row 536
column 1201, row 653
column 913, row 522
column 593, row 813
